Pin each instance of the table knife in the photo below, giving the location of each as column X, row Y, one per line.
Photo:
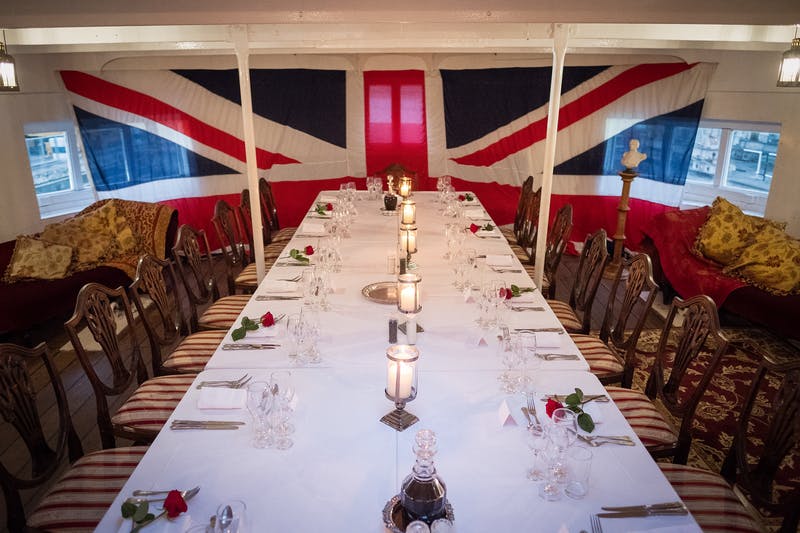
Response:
column 676, row 511
column 543, row 330
column 665, row 505
column 265, row 346
column 268, row 297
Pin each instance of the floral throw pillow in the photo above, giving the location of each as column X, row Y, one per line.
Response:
column 772, row 263
column 728, row 231
column 89, row 234
column 125, row 239
column 37, row 259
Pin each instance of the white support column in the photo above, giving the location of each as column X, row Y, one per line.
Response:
column 240, row 41
column 560, row 32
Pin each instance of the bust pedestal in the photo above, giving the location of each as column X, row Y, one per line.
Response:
column 627, row 176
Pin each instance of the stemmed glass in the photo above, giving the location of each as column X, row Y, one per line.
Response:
column 561, row 434
column 282, row 395
column 511, row 355
column 536, row 439
column 259, row 404
column 498, row 301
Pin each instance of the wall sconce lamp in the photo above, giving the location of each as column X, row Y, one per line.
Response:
column 789, row 73
column 8, row 70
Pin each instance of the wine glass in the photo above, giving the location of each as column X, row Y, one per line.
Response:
column 536, row 439
column 282, row 394
column 259, row 404
column 564, row 428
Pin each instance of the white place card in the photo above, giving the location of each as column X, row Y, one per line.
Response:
column 221, row 398
column 495, row 260
column 504, row 415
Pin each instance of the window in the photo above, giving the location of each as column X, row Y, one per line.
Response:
column 60, row 176
column 734, row 160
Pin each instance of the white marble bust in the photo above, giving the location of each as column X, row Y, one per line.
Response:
column 632, row 158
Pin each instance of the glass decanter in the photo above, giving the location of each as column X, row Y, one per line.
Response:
column 422, row 494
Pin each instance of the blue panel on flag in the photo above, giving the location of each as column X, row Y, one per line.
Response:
column 477, row 102
column 667, row 140
column 311, row 101
column 121, row 156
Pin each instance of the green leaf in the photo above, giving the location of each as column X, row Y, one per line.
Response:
column 149, row 518
column 238, row 334
column 572, row 400
column 585, row 422
column 141, row 512
column 297, row 255
column 320, row 208
column 128, row 509
column 514, row 291
column 468, row 197
column 488, row 227
column 579, row 392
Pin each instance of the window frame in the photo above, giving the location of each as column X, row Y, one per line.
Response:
column 60, row 203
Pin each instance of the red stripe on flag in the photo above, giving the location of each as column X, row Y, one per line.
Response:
column 594, row 100
column 140, row 104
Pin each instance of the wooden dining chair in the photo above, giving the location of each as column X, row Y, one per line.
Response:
column 525, row 246
column 82, row 494
column 270, row 210
column 755, row 490
column 576, row 316
column 196, row 270
column 271, row 250
column 232, row 244
column 510, row 232
column 612, row 353
column 688, row 355
column 121, row 368
column 557, row 240
column 163, row 321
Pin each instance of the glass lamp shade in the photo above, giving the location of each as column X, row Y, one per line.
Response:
column 405, row 186
column 789, row 73
column 408, row 212
column 8, row 71
column 408, row 239
column 401, row 373
column 408, row 293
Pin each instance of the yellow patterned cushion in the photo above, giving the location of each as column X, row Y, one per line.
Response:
column 126, row 240
column 90, row 234
column 728, row 231
column 772, row 263
column 37, row 259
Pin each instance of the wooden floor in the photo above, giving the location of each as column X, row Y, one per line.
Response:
column 82, row 403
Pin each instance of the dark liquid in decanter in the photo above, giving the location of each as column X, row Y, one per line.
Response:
column 423, row 499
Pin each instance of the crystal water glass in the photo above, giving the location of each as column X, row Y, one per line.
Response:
column 259, row 405
column 282, row 395
column 536, row 439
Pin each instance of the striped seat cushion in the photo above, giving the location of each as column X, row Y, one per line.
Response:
column 521, row 253
column 247, row 278
column 531, row 270
column 283, row 235
column 565, row 315
column 647, row 421
column 194, row 351
column 602, row 360
column 78, row 501
column 709, row 498
column 508, row 233
column 152, row 403
column 223, row 313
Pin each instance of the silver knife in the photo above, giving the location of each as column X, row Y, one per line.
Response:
column 266, row 298
column 265, row 346
column 209, row 422
column 665, row 505
column 677, row 511
column 543, row 330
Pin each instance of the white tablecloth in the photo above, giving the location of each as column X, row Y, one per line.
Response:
column 345, row 464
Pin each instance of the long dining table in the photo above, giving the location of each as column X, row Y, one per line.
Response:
column 345, row 464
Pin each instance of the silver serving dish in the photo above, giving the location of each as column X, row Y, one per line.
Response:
column 384, row 292
column 393, row 519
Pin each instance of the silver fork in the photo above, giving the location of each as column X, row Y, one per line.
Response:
column 296, row 278
column 231, row 383
column 531, row 400
column 522, row 309
column 596, row 527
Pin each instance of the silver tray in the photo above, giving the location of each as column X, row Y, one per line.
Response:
column 384, row 292
column 394, row 521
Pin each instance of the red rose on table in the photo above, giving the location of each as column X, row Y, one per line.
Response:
column 506, row 294
column 551, row 406
column 267, row 320
column 329, row 207
column 174, row 504
column 461, row 197
column 309, row 250
column 474, row 228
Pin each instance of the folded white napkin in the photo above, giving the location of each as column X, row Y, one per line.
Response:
column 524, row 298
column 327, row 199
column 473, row 211
column 548, row 339
column 484, row 233
column 264, row 333
column 221, row 398
column 498, row 260
column 312, row 228
column 276, row 286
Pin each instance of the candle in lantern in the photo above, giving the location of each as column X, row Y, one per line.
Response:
column 405, row 187
column 409, row 212
column 408, row 299
column 408, row 240
column 399, row 386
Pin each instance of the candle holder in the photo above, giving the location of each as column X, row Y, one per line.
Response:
column 408, row 212
column 401, row 384
column 408, row 243
column 404, row 187
column 408, row 303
